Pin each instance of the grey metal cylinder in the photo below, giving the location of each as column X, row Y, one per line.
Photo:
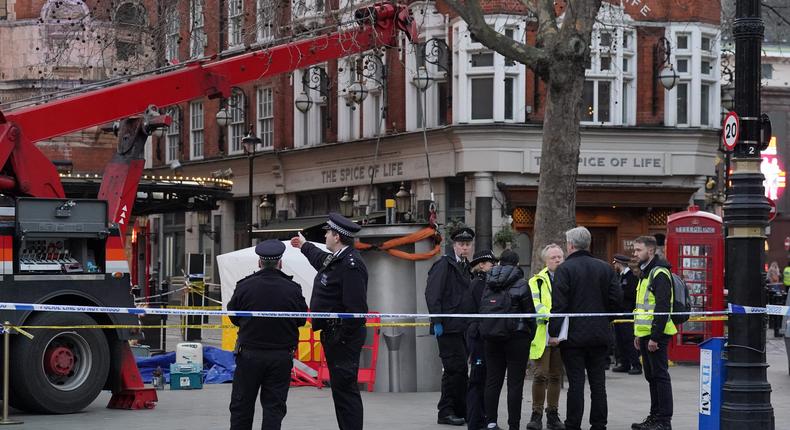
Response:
column 393, row 346
column 397, row 285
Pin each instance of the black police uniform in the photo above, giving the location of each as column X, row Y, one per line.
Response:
column 475, row 408
column 265, row 346
column 341, row 286
column 448, row 283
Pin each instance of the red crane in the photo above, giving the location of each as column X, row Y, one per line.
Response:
column 26, row 172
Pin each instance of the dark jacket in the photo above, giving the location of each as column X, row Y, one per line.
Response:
column 584, row 284
column 511, row 278
column 448, row 284
column 662, row 289
column 628, row 284
column 268, row 290
column 341, row 284
column 471, row 303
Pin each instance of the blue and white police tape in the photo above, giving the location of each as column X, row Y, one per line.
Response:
column 772, row 310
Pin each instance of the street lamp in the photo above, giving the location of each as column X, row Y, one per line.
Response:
column 267, row 210
column 422, row 80
column 668, row 77
column 303, row 102
column 358, row 92
column 346, row 204
column 403, row 199
column 250, row 142
column 223, row 117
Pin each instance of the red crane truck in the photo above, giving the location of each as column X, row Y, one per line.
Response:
column 56, row 250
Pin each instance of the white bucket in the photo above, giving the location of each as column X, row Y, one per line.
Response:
column 190, row 352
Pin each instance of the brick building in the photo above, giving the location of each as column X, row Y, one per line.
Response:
column 646, row 152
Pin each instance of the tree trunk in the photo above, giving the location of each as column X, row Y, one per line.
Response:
column 559, row 159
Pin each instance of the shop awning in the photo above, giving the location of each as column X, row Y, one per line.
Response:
column 602, row 195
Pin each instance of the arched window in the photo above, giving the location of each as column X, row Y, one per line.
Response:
column 130, row 22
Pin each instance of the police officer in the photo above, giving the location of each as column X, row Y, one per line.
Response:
column 448, row 283
column 629, row 356
column 265, row 346
column 340, row 286
column 481, row 264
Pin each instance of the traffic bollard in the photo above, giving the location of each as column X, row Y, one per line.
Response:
column 6, row 347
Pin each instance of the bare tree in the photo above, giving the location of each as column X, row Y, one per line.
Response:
column 564, row 30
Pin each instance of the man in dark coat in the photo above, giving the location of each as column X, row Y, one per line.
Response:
column 629, row 356
column 340, row 285
column 584, row 284
column 265, row 346
column 448, row 284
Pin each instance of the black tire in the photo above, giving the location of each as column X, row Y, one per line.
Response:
column 78, row 364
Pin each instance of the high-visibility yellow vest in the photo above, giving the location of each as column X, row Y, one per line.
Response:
column 646, row 305
column 786, row 274
column 540, row 285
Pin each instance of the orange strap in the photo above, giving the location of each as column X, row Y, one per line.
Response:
column 415, row 237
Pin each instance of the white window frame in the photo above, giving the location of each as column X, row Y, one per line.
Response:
column 308, row 127
column 197, row 137
column 172, row 30
column 235, row 23
column 237, row 124
column 173, row 136
column 622, row 83
column 197, row 29
column 265, row 20
column 265, row 113
column 464, row 73
column 694, row 77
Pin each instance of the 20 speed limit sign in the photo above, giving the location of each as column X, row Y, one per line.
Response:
column 731, row 131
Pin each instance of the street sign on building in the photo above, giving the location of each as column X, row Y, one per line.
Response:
column 731, row 131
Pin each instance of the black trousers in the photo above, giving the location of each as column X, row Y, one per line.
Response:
column 475, row 408
column 268, row 370
column 629, row 356
column 452, row 351
column 593, row 361
column 342, row 359
column 511, row 356
column 656, row 367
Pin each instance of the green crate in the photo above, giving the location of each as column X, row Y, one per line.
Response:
column 185, row 377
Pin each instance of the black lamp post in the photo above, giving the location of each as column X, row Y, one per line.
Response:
column 267, row 210
column 746, row 393
column 250, row 143
column 403, row 203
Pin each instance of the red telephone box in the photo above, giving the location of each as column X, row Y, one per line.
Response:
column 695, row 249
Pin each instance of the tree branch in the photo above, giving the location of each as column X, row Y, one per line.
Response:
column 534, row 58
column 776, row 12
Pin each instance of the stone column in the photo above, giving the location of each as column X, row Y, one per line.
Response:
column 484, row 194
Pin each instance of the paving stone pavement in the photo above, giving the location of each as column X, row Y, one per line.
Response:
column 310, row 408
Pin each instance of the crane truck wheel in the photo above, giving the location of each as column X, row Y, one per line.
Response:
column 59, row 371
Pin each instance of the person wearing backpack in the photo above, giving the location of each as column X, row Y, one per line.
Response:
column 548, row 362
column 507, row 340
column 654, row 295
column 482, row 263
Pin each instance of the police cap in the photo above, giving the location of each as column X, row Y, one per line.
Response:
column 464, row 234
column 342, row 225
column 482, row 256
column 271, row 250
column 622, row 259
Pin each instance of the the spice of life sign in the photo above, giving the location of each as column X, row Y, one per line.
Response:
column 613, row 163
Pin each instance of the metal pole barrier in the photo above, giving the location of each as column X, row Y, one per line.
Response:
column 6, row 354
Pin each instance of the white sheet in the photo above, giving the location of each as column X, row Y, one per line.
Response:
column 236, row 265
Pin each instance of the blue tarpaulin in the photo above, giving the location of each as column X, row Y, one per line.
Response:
column 218, row 365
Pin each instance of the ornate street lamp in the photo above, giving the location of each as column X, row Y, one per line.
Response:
column 303, row 102
column 346, row 204
column 249, row 143
column 402, row 199
column 267, row 210
column 223, row 117
column 668, row 77
column 358, row 92
column 422, row 80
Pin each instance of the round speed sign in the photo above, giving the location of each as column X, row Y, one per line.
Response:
column 731, row 131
